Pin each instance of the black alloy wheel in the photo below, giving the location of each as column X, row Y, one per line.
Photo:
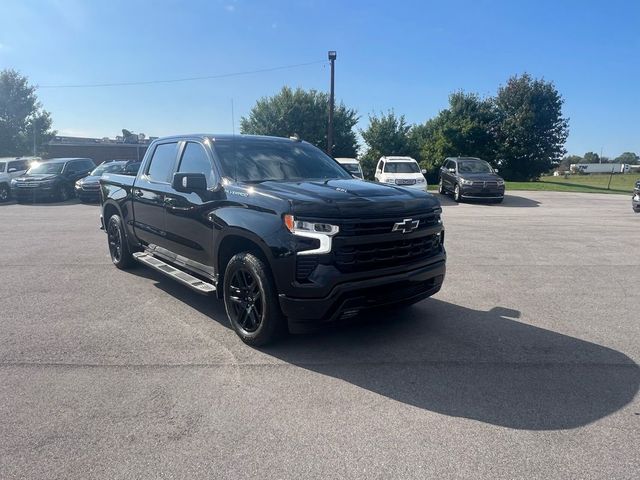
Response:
column 118, row 246
column 245, row 300
column 251, row 300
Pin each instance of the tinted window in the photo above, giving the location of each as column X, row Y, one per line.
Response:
column 132, row 168
column 46, row 168
column 18, row 165
column 195, row 160
column 88, row 165
column 402, row 167
column 261, row 161
column 161, row 167
column 474, row 166
column 2, row 164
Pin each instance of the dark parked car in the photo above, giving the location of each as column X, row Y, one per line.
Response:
column 88, row 188
column 51, row 179
column 635, row 199
column 275, row 227
column 470, row 178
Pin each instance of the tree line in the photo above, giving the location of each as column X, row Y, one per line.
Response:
column 521, row 129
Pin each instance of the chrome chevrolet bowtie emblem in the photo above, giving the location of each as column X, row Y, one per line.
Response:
column 408, row 225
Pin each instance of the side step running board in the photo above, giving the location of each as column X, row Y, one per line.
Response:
column 175, row 273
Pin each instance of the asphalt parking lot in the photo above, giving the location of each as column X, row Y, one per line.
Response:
column 525, row 365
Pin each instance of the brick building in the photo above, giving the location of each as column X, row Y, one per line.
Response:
column 98, row 149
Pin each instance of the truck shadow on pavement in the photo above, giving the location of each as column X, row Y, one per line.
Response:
column 481, row 365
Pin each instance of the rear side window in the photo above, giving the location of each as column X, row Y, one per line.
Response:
column 195, row 160
column 161, row 166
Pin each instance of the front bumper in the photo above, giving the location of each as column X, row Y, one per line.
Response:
column 347, row 299
column 33, row 193
column 92, row 195
column 635, row 202
column 479, row 193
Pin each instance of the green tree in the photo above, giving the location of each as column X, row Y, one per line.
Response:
column 531, row 131
column 305, row 113
column 465, row 128
column 591, row 157
column 387, row 134
column 628, row 157
column 21, row 116
column 565, row 163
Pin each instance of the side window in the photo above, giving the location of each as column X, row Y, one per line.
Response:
column 71, row 167
column 161, row 167
column 195, row 160
column 448, row 164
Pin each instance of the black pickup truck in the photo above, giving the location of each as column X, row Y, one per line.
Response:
column 279, row 230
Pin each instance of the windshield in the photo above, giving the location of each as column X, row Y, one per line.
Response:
column 474, row 166
column 262, row 161
column 46, row 168
column 107, row 168
column 351, row 167
column 401, row 167
column 2, row 165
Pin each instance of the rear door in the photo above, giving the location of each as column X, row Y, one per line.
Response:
column 189, row 228
column 148, row 194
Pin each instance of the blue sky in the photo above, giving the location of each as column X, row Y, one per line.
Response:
column 391, row 54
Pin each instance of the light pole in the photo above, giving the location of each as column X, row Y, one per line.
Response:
column 332, row 59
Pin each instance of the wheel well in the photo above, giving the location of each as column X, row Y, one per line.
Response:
column 109, row 211
column 232, row 245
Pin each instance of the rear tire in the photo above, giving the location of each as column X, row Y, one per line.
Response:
column 119, row 249
column 251, row 300
column 5, row 193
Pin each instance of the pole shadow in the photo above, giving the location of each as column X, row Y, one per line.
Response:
column 480, row 365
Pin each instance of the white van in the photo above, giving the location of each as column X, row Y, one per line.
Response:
column 352, row 166
column 401, row 171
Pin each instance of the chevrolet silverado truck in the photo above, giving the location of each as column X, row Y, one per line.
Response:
column 274, row 227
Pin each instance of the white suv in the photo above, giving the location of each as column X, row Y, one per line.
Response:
column 401, row 171
column 12, row 167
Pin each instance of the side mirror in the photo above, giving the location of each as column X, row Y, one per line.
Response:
column 423, row 171
column 452, row 170
column 189, row 182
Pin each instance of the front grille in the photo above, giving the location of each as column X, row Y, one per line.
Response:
column 369, row 256
column 490, row 184
column 26, row 184
column 305, row 264
column 380, row 226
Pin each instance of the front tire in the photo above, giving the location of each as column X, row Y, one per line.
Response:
column 456, row 193
column 118, row 246
column 251, row 300
column 441, row 190
column 63, row 194
column 5, row 193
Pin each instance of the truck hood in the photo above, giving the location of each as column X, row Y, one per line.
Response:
column 348, row 198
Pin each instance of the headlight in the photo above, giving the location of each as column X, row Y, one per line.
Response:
column 13, row 182
column 420, row 180
column 389, row 180
column 79, row 183
column 323, row 232
column 464, row 181
column 500, row 182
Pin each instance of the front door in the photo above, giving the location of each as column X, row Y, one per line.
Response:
column 189, row 228
column 149, row 192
